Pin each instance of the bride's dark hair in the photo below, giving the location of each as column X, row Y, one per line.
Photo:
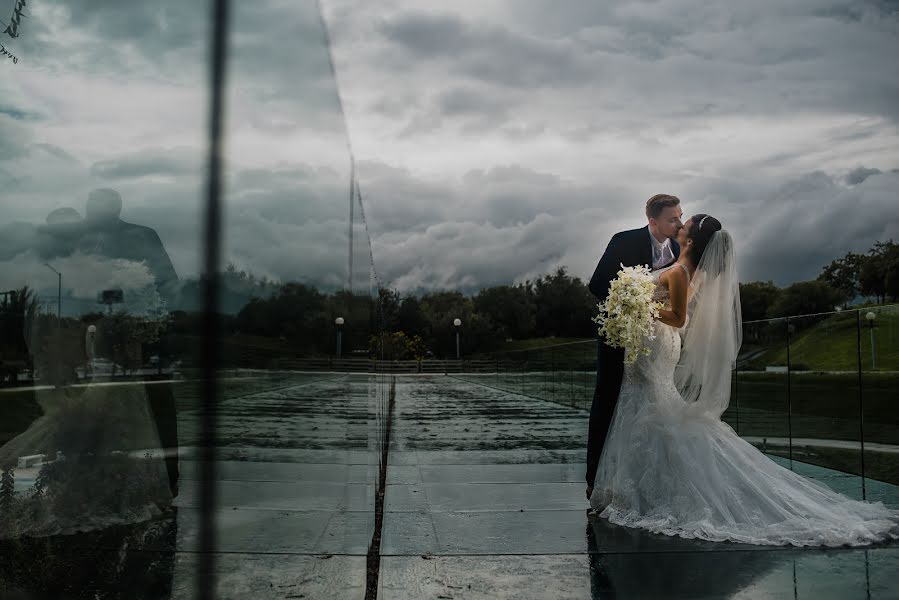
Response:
column 702, row 228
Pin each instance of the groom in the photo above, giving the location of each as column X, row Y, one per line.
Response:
column 653, row 246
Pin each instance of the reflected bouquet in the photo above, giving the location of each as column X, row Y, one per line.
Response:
column 627, row 316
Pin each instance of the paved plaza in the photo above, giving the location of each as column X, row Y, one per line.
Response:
column 484, row 499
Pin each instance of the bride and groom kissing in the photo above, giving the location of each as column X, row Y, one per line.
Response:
column 659, row 457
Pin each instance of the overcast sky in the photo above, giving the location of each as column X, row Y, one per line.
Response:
column 495, row 140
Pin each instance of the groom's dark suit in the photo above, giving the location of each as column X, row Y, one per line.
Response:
column 630, row 248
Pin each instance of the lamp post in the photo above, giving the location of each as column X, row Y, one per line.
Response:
column 339, row 322
column 58, row 293
column 58, row 323
column 458, row 323
column 89, row 339
column 870, row 317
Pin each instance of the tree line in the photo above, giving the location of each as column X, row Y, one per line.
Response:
column 394, row 325
column 872, row 275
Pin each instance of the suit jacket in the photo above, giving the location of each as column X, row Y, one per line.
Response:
column 630, row 248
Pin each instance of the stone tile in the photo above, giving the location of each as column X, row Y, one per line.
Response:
column 257, row 531
column 271, row 471
column 507, row 473
column 347, row 533
column 406, row 498
column 487, row 457
column 408, row 533
column 241, row 576
column 305, row 496
column 496, row 497
column 531, row 532
column 403, row 474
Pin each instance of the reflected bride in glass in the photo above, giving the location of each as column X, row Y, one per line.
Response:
column 87, row 456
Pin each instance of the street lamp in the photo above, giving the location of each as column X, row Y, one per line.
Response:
column 89, row 338
column 458, row 323
column 58, row 293
column 58, row 322
column 870, row 317
column 339, row 322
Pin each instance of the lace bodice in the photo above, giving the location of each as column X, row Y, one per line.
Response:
column 661, row 292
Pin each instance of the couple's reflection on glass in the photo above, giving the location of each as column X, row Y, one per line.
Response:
column 89, row 462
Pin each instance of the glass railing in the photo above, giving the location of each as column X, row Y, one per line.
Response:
column 143, row 451
column 819, row 389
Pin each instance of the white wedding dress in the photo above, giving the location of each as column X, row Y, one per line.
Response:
column 670, row 466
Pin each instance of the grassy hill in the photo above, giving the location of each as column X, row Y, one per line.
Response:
column 833, row 344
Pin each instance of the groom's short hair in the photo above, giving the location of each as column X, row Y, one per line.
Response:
column 658, row 203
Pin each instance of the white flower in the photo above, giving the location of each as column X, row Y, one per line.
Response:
column 627, row 316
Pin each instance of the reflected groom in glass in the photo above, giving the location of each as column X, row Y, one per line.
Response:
column 106, row 234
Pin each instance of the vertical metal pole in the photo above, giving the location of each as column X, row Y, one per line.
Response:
column 789, row 398
column 209, row 357
column 458, row 346
column 737, row 395
column 873, row 351
column 339, row 340
column 861, row 404
column 59, row 299
column 350, row 232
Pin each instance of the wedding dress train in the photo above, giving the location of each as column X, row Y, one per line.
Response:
column 670, row 466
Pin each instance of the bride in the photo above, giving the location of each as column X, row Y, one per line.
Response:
column 671, row 466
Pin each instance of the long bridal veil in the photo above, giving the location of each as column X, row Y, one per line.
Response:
column 714, row 332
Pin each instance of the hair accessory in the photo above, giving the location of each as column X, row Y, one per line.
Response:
column 702, row 221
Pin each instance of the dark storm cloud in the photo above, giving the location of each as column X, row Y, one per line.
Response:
column 791, row 234
column 858, row 175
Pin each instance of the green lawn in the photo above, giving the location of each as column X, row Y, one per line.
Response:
column 833, row 344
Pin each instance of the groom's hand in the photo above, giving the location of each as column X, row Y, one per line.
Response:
column 589, row 492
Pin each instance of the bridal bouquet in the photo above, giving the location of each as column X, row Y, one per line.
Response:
column 627, row 316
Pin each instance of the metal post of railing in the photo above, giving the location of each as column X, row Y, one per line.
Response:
column 789, row 398
column 552, row 374
column 737, row 395
column 211, row 348
column 861, row 410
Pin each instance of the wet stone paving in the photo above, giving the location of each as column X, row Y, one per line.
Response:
column 484, row 499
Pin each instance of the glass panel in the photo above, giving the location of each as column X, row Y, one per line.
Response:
column 879, row 329
column 302, row 411
column 101, row 165
column 762, row 388
column 824, row 386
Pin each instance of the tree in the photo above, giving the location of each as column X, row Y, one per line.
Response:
column 805, row 298
column 390, row 309
column 18, row 313
column 880, row 265
column 410, row 318
column 843, row 274
column 757, row 298
column 511, row 308
column 565, row 306
column 396, row 345
column 297, row 312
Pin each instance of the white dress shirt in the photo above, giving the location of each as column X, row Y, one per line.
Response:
column 662, row 254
